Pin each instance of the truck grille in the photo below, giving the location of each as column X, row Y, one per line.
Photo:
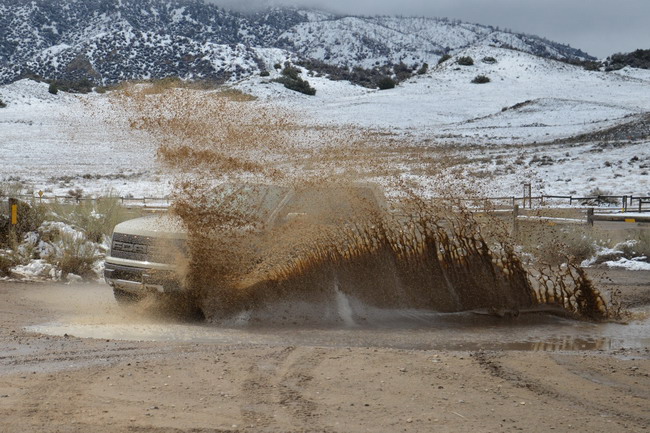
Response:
column 148, row 249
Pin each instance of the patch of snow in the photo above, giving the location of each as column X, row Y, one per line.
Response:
column 636, row 264
column 37, row 270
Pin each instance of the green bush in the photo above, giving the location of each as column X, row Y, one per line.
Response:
column 465, row 61
column 402, row 72
column 444, row 58
column 423, row 69
column 386, row 83
column 481, row 79
column 2, row 104
column 356, row 75
column 489, row 60
column 53, row 89
column 637, row 59
column 297, row 85
column 291, row 80
column 291, row 72
column 264, row 73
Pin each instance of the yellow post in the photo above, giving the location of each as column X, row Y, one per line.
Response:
column 13, row 207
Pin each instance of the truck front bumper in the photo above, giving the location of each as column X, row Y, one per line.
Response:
column 141, row 280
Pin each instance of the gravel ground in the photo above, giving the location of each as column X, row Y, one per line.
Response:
column 62, row 383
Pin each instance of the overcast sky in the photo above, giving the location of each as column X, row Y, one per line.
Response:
column 599, row 27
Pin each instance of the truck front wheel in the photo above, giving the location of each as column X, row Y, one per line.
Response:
column 125, row 298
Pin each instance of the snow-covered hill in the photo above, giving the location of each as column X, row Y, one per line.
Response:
column 557, row 100
column 371, row 41
column 107, row 41
column 539, row 121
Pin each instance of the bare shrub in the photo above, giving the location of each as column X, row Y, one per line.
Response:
column 7, row 261
column 481, row 79
column 386, row 83
column 96, row 218
column 555, row 245
column 75, row 256
column 444, row 58
column 643, row 245
column 603, row 196
column 76, row 193
column 633, row 248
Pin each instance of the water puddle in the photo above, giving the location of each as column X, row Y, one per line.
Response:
column 89, row 311
column 395, row 329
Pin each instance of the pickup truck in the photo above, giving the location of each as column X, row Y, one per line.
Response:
column 146, row 255
column 150, row 254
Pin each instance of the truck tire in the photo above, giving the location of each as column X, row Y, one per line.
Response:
column 125, row 298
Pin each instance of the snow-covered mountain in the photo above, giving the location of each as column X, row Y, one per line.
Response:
column 108, row 41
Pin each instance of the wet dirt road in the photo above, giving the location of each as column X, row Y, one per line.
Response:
column 72, row 361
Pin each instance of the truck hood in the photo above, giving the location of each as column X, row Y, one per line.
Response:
column 159, row 226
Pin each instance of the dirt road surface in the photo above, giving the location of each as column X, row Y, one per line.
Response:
column 72, row 361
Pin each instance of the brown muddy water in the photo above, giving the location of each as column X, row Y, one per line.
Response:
column 89, row 311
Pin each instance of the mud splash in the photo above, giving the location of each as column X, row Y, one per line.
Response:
column 328, row 249
column 420, row 258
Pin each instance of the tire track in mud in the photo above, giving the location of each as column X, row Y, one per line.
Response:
column 47, row 359
column 279, row 380
column 295, row 379
column 563, row 378
column 258, row 390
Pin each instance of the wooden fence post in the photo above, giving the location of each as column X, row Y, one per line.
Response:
column 590, row 216
column 515, row 222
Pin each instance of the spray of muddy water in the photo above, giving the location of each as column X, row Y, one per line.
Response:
column 269, row 229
